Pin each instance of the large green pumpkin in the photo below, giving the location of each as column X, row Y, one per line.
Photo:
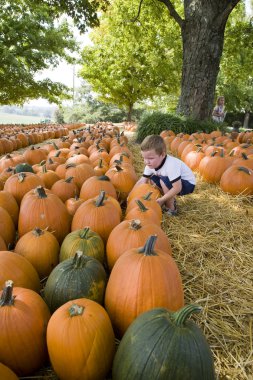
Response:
column 77, row 277
column 164, row 345
column 85, row 240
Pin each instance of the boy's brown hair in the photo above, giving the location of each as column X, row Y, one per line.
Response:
column 154, row 142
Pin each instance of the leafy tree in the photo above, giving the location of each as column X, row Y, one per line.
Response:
column 33, row 39
column 130, row 61
column 235, row 80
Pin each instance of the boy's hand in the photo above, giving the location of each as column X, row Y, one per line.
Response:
column 160, row 201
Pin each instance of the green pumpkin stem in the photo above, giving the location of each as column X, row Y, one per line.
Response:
column 79, row 259
column 148, row 249
column 75, row 310
column 68, row 180
column 180, row 316
column 41, row 192
column 83, row 234
column 141, row 205
column 100, row 199
column 147, row 197
column 7, row 298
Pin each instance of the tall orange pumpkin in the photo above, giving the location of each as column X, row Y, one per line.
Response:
column 23, row 321
column 80, row 341
column 142, row 279
column 41, row 208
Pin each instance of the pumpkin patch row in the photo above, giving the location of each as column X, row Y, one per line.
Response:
column 83, row 257
column 226, row 160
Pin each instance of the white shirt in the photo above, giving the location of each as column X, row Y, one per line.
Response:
column 174, row 169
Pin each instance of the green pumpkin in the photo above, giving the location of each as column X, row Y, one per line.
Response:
column 78, row 277
column 23, row 167
column 85, row 240
column 164, row 345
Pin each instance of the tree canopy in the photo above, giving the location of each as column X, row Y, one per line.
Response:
column 34, row 37
column 133, row 61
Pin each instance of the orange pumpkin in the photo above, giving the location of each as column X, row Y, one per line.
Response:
column 7, row 227
column 142, row 279
column 6, row 373
column 237, row 180
column 23, row 311
column 131, row 234
column 85, row 326
column 19, row 269
column 94, row 185
column 9, row 203
column 100, row 214
column 41, row 249
column 41, row 208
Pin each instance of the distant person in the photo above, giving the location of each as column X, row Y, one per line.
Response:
column 219, row 113
column 172, row 176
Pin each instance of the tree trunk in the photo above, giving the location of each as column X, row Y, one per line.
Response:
column 129, row 112
column 246, row 120
column 202, row 36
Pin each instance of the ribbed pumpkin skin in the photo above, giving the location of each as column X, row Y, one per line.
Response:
column 139, row 282
column 85, row 240
column 77, row 277
column 25, row 322
column 41, row 208
column 19, row 269
column 154, row 348
column 81, row 346
column 130, row 234
column 41, row 248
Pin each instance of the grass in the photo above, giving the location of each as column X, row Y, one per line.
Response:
column 8, row 118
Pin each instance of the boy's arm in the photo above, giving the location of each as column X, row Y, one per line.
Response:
column 140, row 181
column 170, row 193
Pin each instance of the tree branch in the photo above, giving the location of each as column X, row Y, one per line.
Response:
column 138, row 14
column 228, row 9
column 173, row 12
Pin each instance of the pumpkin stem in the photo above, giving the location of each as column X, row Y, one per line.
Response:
column 44, row 169
column 118, row 168
column 37, row 231
column 68, row 180
column 41, row 192
column 135, row 224
column 84, row 232
column 7, row 298
column 179, row 317
column 245, row 170
column 75, row 310
column 21, row 177
column 55, row 146
column 100, row 200
column 147, row 197
column 148, row 249
column 104, row 178
column 141, row 206
column 79, row 259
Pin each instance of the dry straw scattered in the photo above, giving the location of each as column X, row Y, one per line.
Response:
column 212, row 243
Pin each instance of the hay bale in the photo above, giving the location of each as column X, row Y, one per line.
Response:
column 212, row 243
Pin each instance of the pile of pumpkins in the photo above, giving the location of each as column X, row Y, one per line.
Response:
column 222, row 159
column 83, row 259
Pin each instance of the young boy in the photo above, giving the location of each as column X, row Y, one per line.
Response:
column 170, row 174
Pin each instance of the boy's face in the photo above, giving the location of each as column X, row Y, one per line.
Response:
column 152, row 159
